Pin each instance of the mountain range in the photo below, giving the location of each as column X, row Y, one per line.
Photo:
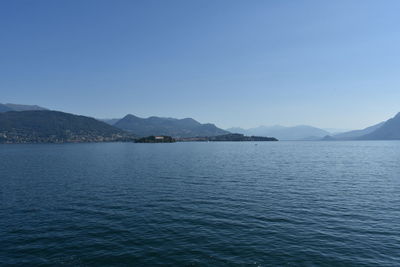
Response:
column 351, row 135
column 387, row 130
column 32, row 123
column 44, row 126
column 390, row 130
column 187, row 127
column 301, row 132
column 35, row 127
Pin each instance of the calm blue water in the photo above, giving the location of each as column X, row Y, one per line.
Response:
column 271, row 204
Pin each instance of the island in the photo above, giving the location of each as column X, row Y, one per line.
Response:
column 240, row 138
column 235, row 137
column 156, row 139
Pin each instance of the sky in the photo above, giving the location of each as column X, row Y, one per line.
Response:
column 330, row 64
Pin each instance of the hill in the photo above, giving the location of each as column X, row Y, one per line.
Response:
column 301, row 132
column 4, row 108
column 356, row 133
column 390, row 130
column 167, row 126
column 18, row 107
column 43, row 126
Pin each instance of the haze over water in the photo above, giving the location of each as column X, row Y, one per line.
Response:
column 261, row 204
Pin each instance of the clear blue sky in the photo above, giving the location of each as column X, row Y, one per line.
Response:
column 233, row 63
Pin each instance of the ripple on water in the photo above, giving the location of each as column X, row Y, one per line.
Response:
column 285, row 203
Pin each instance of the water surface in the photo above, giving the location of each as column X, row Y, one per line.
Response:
column 247, row 204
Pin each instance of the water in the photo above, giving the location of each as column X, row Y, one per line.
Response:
column 270, row 204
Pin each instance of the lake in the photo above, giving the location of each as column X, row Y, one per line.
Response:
column 218, row 204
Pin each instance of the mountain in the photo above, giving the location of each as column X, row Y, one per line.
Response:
column 390, row 130
column 18, row 107
column 167, row 126
column 43, row 126
column 237, row 130
column 4, row 108
column 301, row 132
column 335, row 131
column 110, row 121
column 357, row 133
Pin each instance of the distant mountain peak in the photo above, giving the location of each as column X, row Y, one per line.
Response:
column 189, row 120
column 131, row 116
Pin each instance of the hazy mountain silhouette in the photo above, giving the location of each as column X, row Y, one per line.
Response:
column 390, row 130
column 351, row 135
column 301, row 132
column 236, row 130
column 18, row 107
column 167, row 126
column 335, row 131
column 110, row 121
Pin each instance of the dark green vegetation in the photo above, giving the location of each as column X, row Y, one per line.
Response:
column 167, row 126
column 44, row 126
column 156, row 139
